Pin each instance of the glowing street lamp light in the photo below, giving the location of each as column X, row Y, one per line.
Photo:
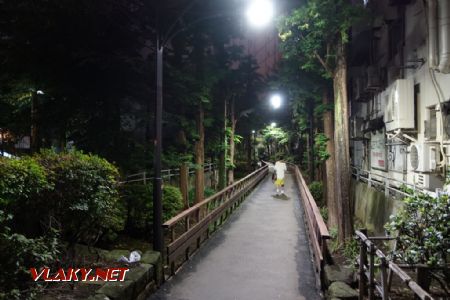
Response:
column 273, row 124
column 260, row 12
column 275, row 100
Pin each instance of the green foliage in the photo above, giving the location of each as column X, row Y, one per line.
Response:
column 351, row 249
column 208, row 193
column 138, row 206
column 84, row 199
column 316, row 189
column 423, row 226
column 320, row 148
column 313, row 32
column 18, row 254
column 21, row 181
column 324, row 213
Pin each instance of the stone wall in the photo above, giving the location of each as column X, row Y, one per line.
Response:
column 372, row 207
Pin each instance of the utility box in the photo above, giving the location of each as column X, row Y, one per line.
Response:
column 399, row 109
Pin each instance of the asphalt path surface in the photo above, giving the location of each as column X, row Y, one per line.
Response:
column 260, row 253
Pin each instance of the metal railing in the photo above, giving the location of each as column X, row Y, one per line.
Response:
column 367, row 270
column 146, row 177
column 386, row 183
column 317, row 229
column 186, row 231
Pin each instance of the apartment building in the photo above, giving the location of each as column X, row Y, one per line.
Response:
column 399, row 88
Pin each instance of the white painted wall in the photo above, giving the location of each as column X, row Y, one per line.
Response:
column 415, row 48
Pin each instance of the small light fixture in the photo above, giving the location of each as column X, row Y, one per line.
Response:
column 39, row 92
column 273, row 124
column 253, row 131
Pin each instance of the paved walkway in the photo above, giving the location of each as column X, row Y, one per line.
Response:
column 260, row 253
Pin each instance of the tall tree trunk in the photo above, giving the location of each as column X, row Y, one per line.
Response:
column 232, row 145
column 249, row 150
column 341, row 146
column 223, row 152
column 184, row 184
column 330, row 164
column 200, row 157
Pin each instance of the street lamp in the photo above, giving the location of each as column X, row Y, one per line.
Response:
column 275, row 100
column 273, row 124
column 259, row 13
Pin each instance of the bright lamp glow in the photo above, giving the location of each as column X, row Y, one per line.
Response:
column 253, row 131
column 39, row 92
column 260, row 12
column 273, row 124
column 275, row 100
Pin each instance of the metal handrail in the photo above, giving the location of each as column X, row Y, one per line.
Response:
column 317, row 229
column 184, row 231
column 144, row 177
column 384, row 183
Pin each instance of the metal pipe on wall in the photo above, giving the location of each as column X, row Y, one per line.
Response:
column 444, row 35
column 432, row 34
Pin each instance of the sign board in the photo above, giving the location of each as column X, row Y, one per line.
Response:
column 378, row 151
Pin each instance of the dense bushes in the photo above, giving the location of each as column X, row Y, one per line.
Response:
column 138, row 200
column 48, row 196
column 18, row 253
column 84, row 198
column 423, row 226
column 316, row 189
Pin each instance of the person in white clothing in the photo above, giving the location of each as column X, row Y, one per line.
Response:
column 280, row 169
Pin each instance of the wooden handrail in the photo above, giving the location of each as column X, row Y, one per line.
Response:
column 367, row 247
column 171, row 222
column 187, row 230
column 317, row 229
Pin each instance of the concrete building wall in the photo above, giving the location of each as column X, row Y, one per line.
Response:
column 399, row 50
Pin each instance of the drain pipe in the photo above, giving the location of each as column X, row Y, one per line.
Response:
column 444, row 36
column 432, row 34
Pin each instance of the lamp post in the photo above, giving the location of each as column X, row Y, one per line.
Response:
column 259, row 13
column 254, row 145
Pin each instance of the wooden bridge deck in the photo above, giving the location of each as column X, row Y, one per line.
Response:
column 261, row 253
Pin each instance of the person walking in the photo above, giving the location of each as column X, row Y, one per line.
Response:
column 280, row 169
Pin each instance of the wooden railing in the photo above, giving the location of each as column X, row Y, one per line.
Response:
column 186, row 231
column 317, row 229
column 367, row 267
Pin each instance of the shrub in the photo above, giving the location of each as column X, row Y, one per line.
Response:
column 316, row 189
column 138, row 200
column 84, row 199
column 207, row 193
column 423, row 226
column 18, row 254
column 22, row 183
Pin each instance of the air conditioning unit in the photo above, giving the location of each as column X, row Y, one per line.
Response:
column 428, row 181
column 422, row 180
column 423, row 157
column 373, row 78
column 399, row 109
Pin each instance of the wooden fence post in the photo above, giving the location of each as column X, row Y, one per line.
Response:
column 362, row 263
column 384, row 284
column 371, row 272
